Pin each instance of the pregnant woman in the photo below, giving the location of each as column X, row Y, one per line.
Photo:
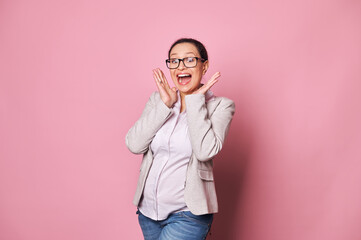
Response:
column 179, row 133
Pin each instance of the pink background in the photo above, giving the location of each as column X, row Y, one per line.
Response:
column 75, row 75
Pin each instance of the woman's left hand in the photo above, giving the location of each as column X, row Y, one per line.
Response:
column 209, row 84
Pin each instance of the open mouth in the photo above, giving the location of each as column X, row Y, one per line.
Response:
column 184, row 78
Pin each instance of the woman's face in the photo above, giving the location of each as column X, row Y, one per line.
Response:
column 187, row 80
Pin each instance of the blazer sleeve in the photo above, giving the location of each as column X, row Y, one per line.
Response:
column 208, row 130
column 141, row 134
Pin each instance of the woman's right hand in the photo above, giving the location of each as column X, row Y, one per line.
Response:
column 168, row 95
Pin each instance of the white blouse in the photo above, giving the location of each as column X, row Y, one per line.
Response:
column 164, row 188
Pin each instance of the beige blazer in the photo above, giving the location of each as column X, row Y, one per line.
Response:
column 208, row 124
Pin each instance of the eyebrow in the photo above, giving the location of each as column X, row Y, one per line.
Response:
column 186, row 53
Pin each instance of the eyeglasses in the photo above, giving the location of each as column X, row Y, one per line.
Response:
column 189, row 62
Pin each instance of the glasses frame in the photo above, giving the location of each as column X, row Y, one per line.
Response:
column 167, row 61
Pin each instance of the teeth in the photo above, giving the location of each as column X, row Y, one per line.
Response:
column 184, row 75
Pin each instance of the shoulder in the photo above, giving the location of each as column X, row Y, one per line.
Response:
column 154, row 97
column 221, row 103
column 224, row 100
column 154, row 94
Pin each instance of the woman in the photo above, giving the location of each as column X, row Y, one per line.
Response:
column 179, row 133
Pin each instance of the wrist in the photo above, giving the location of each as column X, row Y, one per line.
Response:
column 169, row 104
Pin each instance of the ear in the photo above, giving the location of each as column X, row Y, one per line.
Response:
column 205, row 67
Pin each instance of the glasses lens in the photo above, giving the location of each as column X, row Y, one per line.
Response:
column 172, row 63
column 190, row 62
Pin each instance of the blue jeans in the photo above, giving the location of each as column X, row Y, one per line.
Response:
column 178, row 226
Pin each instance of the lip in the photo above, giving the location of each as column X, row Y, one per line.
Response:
column 184, row 82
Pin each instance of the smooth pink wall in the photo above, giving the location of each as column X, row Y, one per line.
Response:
column 75, row 75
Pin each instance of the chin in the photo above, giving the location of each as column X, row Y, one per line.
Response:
column 186, row 90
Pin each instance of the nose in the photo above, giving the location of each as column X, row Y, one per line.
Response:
column 181, row 65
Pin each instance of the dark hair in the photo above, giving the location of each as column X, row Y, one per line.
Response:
column 200, row 47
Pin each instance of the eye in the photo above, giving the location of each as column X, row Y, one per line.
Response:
column 190, row 59
column 173, row 60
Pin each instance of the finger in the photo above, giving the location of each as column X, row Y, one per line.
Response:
column 159, row 79
column 156, row 76
column 214, row 79
column 211, row 83
column 164, row 78
column 161, row 75
column 207, row 86
column 158, row 82
column 215, row 76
